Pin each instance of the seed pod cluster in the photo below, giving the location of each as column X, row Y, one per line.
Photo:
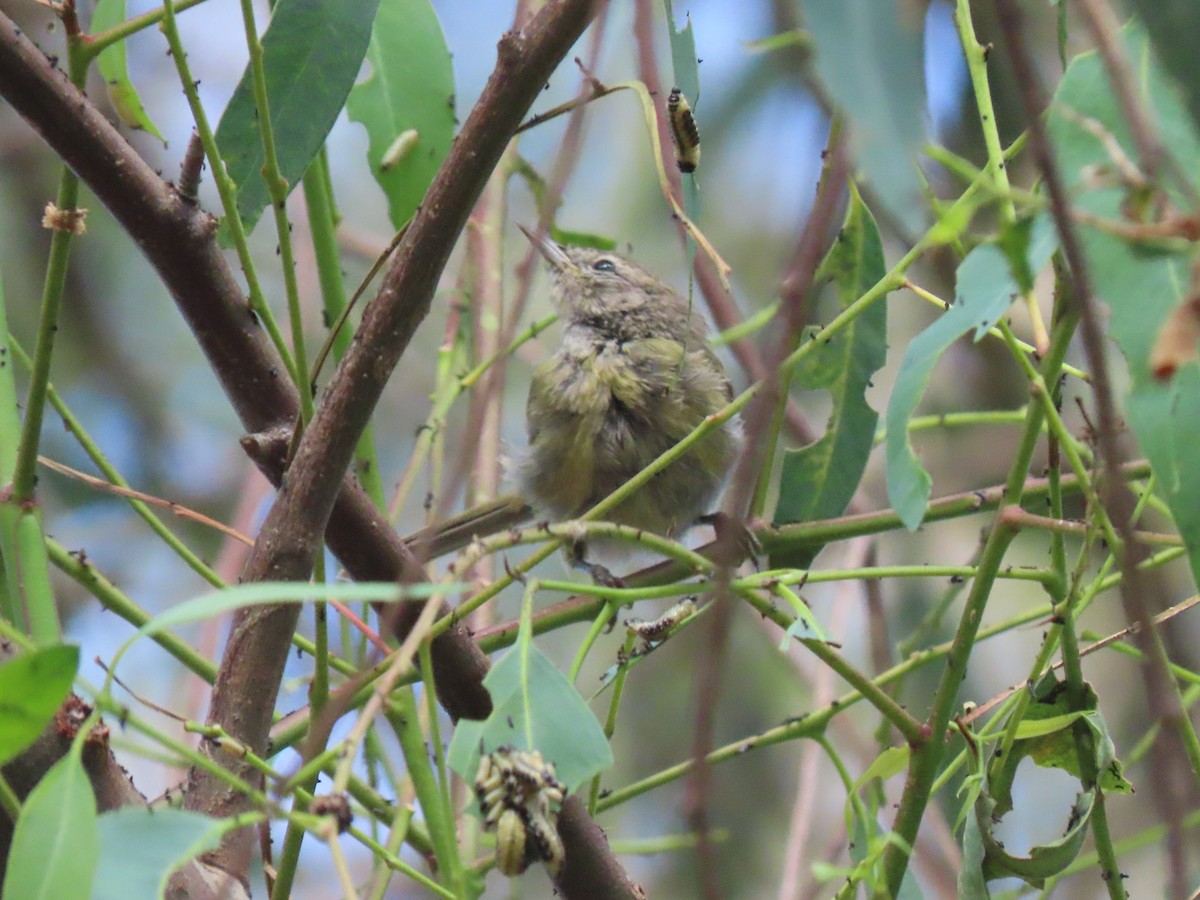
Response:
column 520, row 796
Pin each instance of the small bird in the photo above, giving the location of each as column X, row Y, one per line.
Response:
column 634, row 375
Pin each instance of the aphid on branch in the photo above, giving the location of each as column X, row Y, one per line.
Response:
column 684, row 133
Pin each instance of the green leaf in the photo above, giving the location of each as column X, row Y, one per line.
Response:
column 684, row 62
column 1174, row 28
column 1050, row 747
column 55, row 846
column 1043, row 861
column 312, row 51
column 685, row 66
column 410, row 88
column 1014, row 244
column 1112, row 772
column 114, row 69
column 1045, row 735
column 986, row 287
column 1141, row 283
column 871, row 63
column 1049, row 720
column 165, row 839
column 805, row 627
column 1036, row 728
column 891, row 761
column 32, row 687
column 972, row 885
column 534, row 708
column 817, row 481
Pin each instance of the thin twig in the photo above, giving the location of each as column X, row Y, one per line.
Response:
column 1171, row 772
column 1104, row 26
column 1124, row 634
column 179, row 509
column 810, row 249
column 178, row 239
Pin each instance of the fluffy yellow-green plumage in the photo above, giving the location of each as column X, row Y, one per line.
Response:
column 634, row 375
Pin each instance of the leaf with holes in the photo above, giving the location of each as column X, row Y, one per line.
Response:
column 818, row 481
column 410, row 91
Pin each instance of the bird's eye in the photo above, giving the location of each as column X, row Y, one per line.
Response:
column 604, row 265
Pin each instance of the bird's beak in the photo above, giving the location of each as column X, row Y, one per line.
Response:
column 550, row 250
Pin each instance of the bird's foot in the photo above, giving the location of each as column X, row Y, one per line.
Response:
column 600, row 574
column 735, row 541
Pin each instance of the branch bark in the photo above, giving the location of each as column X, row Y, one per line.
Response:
column 178, row 239
column 316, row 496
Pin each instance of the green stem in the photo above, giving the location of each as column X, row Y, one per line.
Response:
column 10, row 803
column 445, row 400
column 926, row 757
column 318, row 696
column 22, row 538
column 398, row 830
column 25, row 472
column 912, row 730
column 598, row 625
column 289, row 855
column 442, row 774
column 96, row 455
column 227, row 191
column 10, row 429
column 98, row 43
column 401, row 712
column 322, row 224
column 277, row 189
column 960, row 420
column 809, row 534
column 112, row 599
column 610, row 721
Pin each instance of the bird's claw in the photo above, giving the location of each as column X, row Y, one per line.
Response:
column 735, row 541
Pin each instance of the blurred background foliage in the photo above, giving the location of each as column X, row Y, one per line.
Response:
column 129, row 368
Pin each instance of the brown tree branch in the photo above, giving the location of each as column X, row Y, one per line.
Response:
column 287, row 542
column 177, row 238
